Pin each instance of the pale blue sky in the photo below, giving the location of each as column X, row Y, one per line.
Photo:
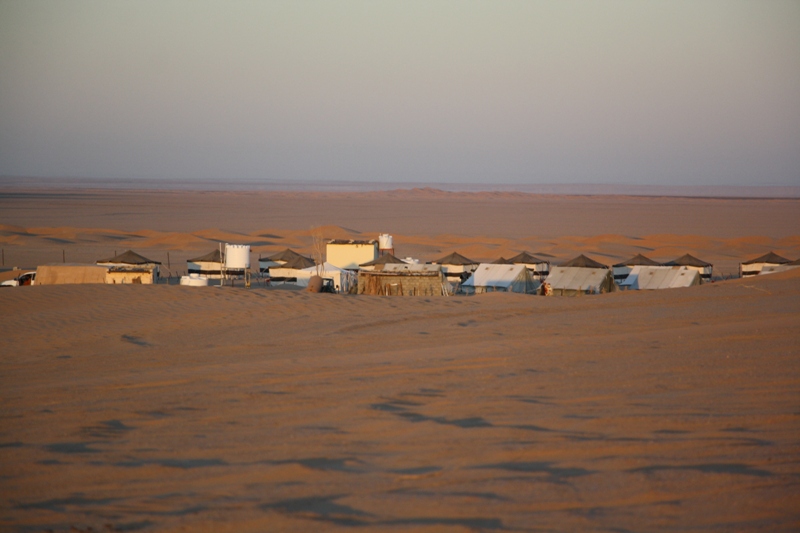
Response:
column 671, row 93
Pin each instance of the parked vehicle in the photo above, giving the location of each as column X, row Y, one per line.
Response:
column 28, row 278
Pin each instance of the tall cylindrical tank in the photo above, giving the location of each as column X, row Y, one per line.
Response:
column 237, row 256
column 385, row 242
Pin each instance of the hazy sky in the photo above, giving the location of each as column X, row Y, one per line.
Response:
column 642, row 92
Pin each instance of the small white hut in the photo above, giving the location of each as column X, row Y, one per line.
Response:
column 289, row 271
column 755, row 266
column 281, row 258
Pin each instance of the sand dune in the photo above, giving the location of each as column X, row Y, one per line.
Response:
column 171, row 408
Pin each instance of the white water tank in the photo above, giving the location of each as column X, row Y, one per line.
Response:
column 385, row 242
column 237, row 256
column 194, row 280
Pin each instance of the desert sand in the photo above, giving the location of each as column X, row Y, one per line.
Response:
column 169, row 408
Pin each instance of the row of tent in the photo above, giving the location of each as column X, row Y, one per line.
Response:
column 524, row 273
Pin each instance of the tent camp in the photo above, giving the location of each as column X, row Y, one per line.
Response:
column 645, row 277
column 209, row 265
column 492, row 277
column 456, row 267
column 690, row 261
column 386, row 259
column 404, row 280
column 70, row 273
column 130, row 267
column 539, row 268
column 755, row 266
column 622, row 270
column 281, row 258
column 581, row 275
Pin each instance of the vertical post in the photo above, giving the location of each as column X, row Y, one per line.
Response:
column 63, row 256
column 169, row 266
column 4, row 257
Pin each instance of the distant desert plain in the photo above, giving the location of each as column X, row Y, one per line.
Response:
column 171, row 408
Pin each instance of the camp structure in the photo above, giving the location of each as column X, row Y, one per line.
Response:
column 581, row 275
column 343, row 279
column 130, row 267
column 350, row 254
column 404, row 280
column 539, row 268
column 648, row 277
column 70, row 273
column 755, row 266
column 690, row 261
column 281, row 258
column 288, row 271
column 456, row 267
column 622, row 270
column 209, row 265
column 766, row 270
column 493, row 277
column 386, row 259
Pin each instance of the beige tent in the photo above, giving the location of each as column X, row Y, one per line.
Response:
column 70, row 273
column 581, row 275
column 493, row 277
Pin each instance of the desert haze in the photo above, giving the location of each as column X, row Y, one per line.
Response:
column 170, row 408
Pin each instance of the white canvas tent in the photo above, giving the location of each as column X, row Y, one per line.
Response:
column 622, row 270
column 757, row 265
column 209, row 265
column 577, row 280
column 492, row 277
column 342, row 278
column 689, row 261
column 643, row 277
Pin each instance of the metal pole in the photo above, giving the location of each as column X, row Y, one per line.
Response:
column 63, row 256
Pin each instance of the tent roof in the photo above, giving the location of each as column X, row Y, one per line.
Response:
column 638, row 259
column 771, row 257
column 299, row 263
column 583, row 262
column 497, row 275
column 129, row 258
column 688, row 260
column 454, row 259
column 526, row 258
column 387, row 259
column 211, row 257
column 286, row 255
column 502, row 261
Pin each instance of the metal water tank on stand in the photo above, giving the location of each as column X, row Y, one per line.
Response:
column 385, row 245
column 237, row 261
